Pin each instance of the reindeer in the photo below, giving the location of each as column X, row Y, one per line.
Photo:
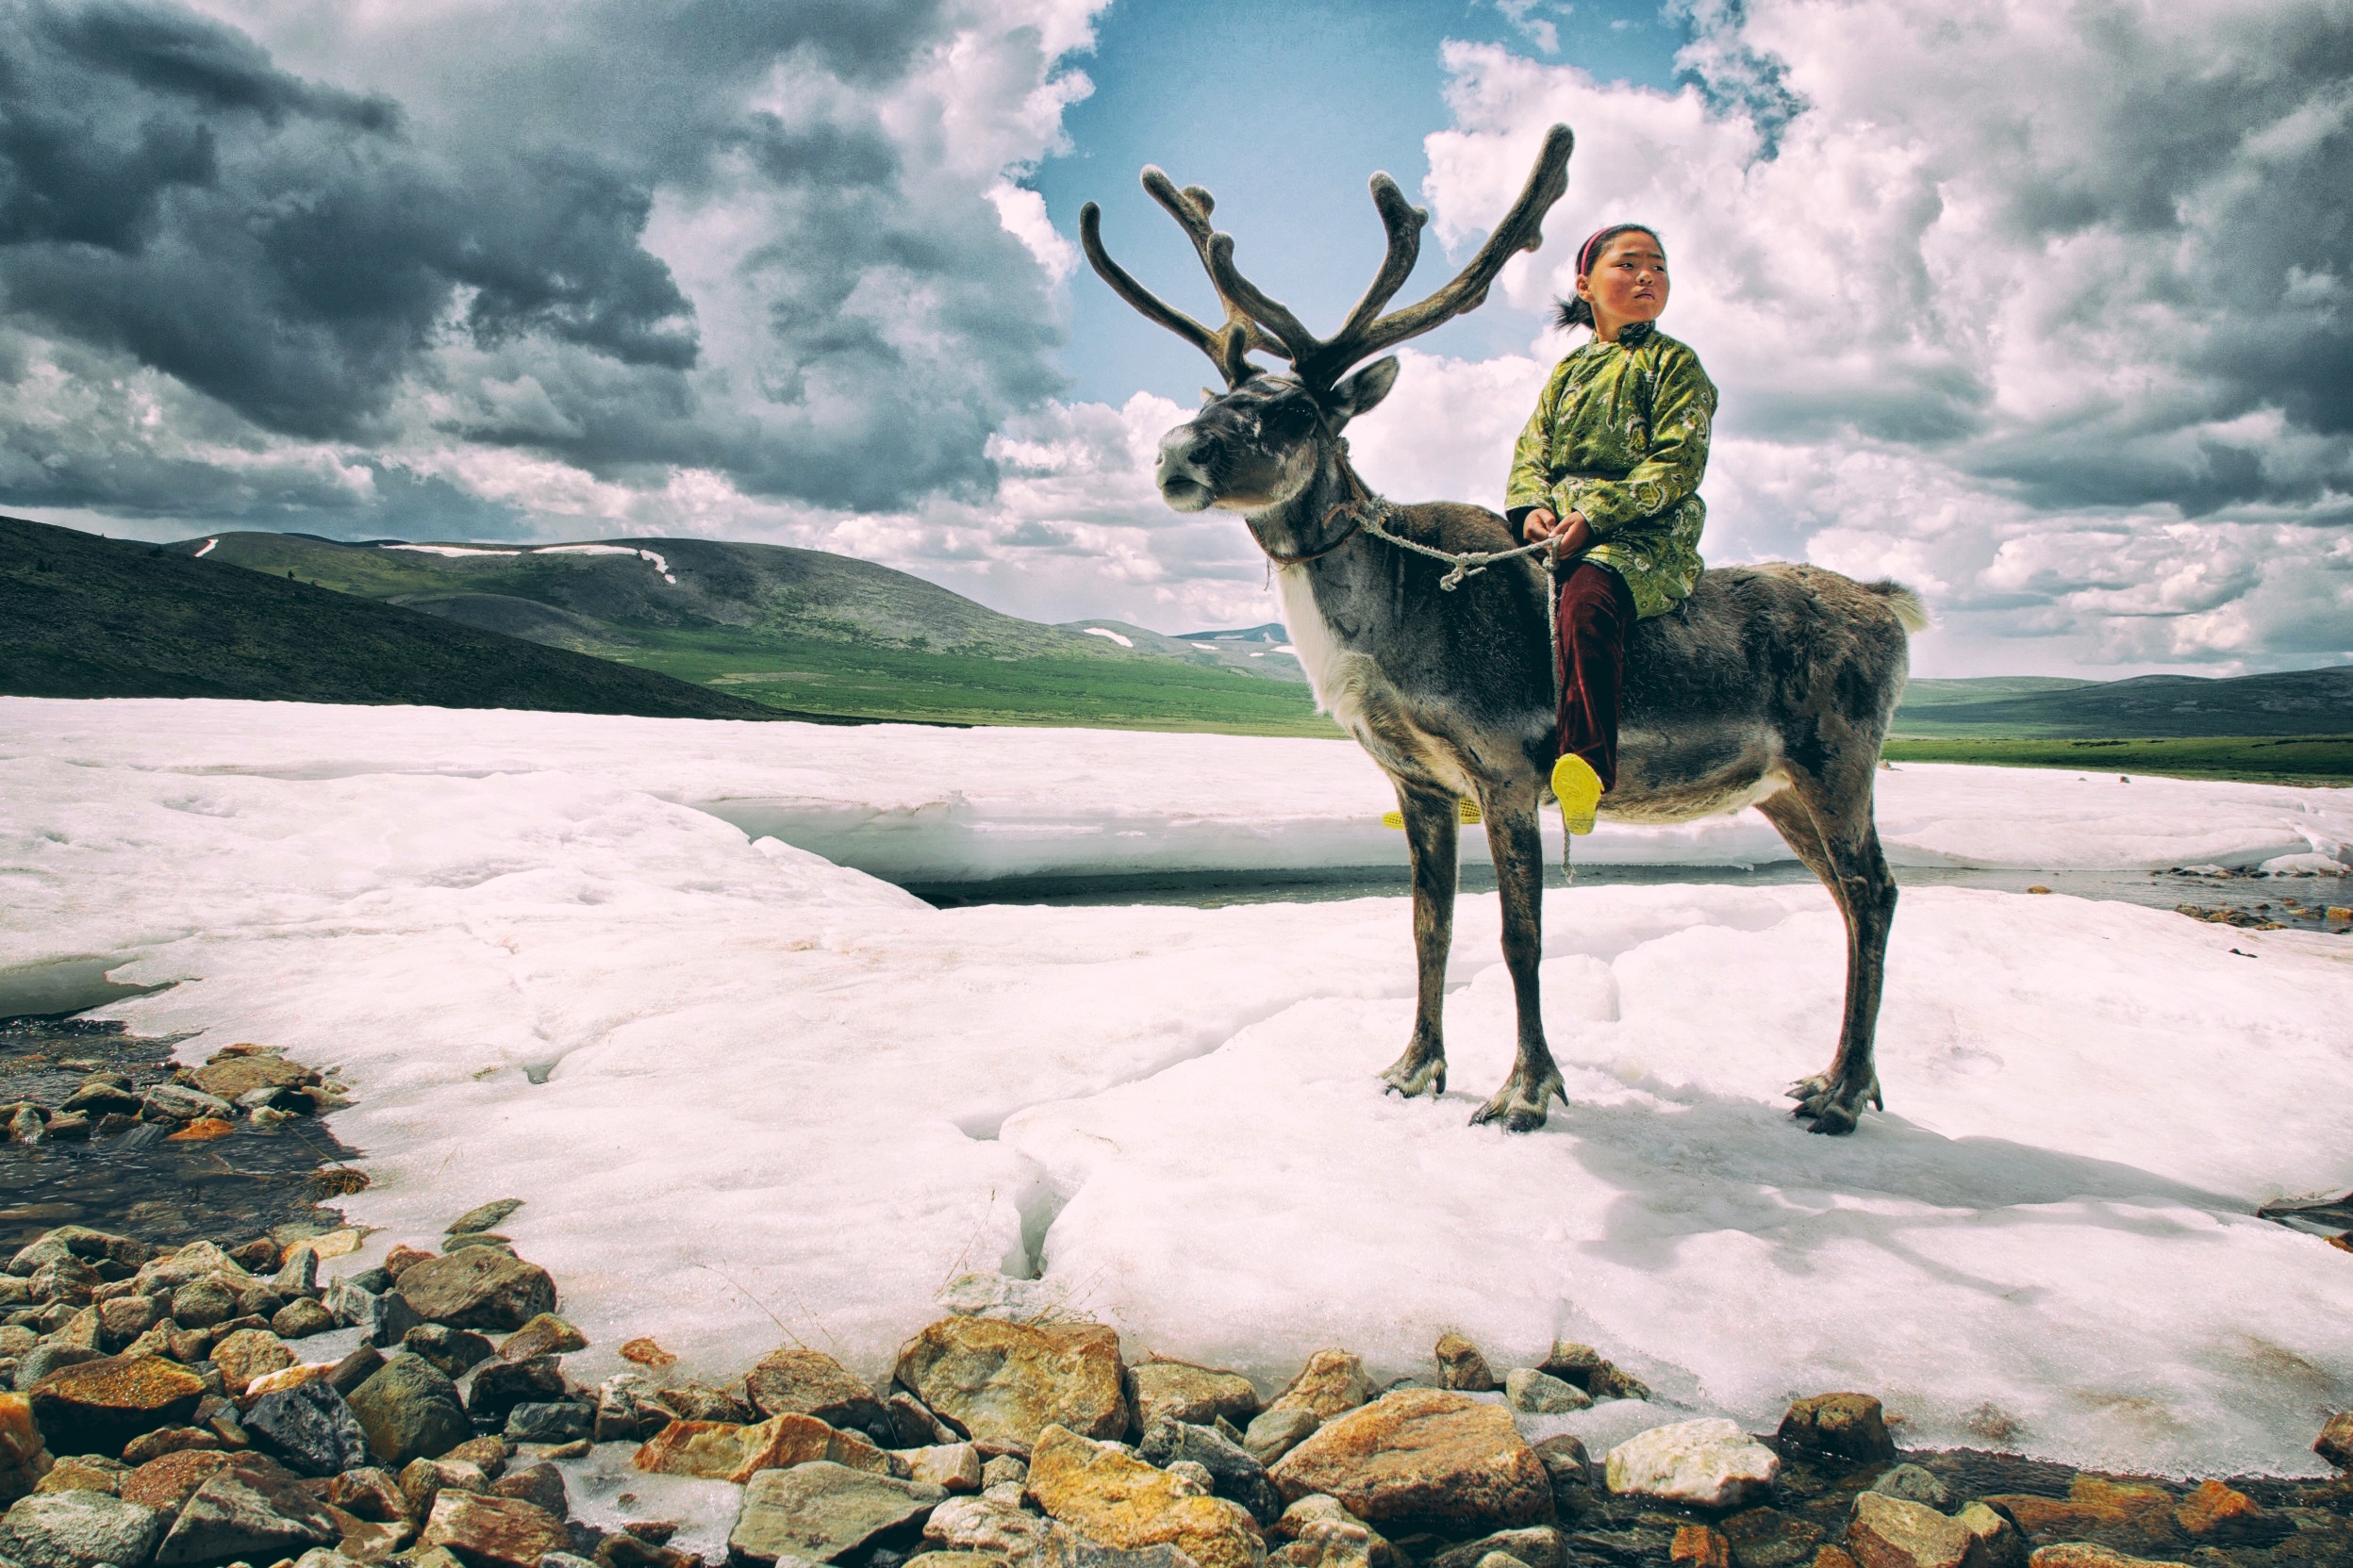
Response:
column 1771, row 685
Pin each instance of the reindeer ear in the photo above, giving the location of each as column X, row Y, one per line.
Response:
column 1208, row 397
column 1363, row 391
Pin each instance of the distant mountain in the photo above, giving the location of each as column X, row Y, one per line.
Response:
column 82, row 616
column 801, row 629
column 1246, row 653
column 2298, row 703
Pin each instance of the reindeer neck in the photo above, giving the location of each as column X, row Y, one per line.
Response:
column 1306, row 523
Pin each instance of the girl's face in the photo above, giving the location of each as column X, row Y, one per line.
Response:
column 1628, row 283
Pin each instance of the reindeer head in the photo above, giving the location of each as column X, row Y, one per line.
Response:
column 1262, row 442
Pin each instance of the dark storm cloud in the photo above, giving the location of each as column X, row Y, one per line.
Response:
column 282, row 247
column 327, row 263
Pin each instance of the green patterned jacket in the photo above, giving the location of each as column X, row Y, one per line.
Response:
column 1621, row 436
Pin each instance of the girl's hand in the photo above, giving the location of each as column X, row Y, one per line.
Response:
column 1569, row 538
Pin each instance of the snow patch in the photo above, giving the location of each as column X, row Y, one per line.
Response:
column 451, row 549
column 660, row 565
column 769, row 1079
column 203, row 550
column 1107, row 632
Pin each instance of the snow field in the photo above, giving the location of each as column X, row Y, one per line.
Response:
column 752, row 1096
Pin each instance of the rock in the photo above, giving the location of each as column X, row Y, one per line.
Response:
column 1331, row 1384
column 487, row 1453
column 954, row 1559
column 823, row 1511
column 24, row 1459
column 625, row 1412
column 126, row 1318
column 1234, row 1474
column 97, row 1406
column 2335, row 1442
column 1700, row 1547
column 1565, row 1460
column 69, row 1281
column 558, row 1421
column 1538, row 1547
column 540, row 1485
column 1323, row 1534
column 1424, row 1457
column 1888, row 1532
column 298, row 1275
column 2217, row 1512
column 387, row 1317
column 1106, row 1495
column 355, row 1369
column 498, row 1387
column 1709, row 1463
column 234, row 1076
column 175, row 1102
column 1179, row 1390
column 78, row 1529
column 1583, row 1366
column 301, row 1318
column 1005, row 1382
column 1848, row 1426
column 80, row 1241
column 422, row 1480
column 81, row 1331
column 1534, row 1393
column 484, row 1217
column 729, row 1451
column 248, row 1354
column 1763, row 1537
column 794, row 1381
column 166, row 1482
column 544, row 1335
column 309, row 1427
column 1461, row 1366
column 494, row 1532
column 1275, row 1432
column 700, row 1402
column 952, row 1467
column 1914, row 1484
column 480, row 1287
column 1005, row 1469
column 409, row 1410
column 455, row 1351
column 995, row 1527
column 1994, row 1541
column 244, row 1511
column 913, row 1426
column 368, row 1493
column 196, row 1260
column 2093, row 1506
column 2082, row 1554
column 168, row 1440
column 44, row 1360
column 87, row 1472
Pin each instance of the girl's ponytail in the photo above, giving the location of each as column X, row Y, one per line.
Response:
column 1573, row 312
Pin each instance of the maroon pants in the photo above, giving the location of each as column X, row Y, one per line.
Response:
column 1596, row 616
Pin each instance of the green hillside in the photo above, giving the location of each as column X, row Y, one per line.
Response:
column 798, row 629
column 82, row 616
column 2148, row 707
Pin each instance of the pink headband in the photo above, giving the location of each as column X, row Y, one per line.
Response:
column 1598, row 236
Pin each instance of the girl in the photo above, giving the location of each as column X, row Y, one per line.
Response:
column 1609, row 469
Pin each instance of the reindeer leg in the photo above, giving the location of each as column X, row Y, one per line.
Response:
column 1433, row 833
column 1527, row 1096
column 1842, row 848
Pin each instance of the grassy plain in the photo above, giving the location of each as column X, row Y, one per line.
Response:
column 2261, row 759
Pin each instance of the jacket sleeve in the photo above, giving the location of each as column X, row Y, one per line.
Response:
column 1531, row 484
column 1682, row 414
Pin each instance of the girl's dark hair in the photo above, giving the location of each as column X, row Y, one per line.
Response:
column 1573, row 312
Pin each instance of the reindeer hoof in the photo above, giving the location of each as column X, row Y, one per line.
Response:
column 1833, row 1120
column 1410, row 1081
column 1519, row 1107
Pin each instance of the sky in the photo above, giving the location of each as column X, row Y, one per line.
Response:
column 2046, row 309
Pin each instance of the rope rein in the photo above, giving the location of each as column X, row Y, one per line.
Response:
column 1367, row 514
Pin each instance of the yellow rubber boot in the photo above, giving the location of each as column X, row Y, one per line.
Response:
column 1578, row 788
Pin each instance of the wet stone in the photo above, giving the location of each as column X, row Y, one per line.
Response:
column 309, row 1429
column 300, row 1319
column 1461, row 1366
column 539, row 1484
column 1708, row 1463
column 1196, row 1396
column 1534, row 1393
column 77, row 1529
column 1914, row 1485
column 497, row 1387
column 494, row 1532
column 1234, row 1474
column 1762, row 1538
column 544, row 1335
column 409, row 1410
column 823, row 1513
column 1849, row 1426
column 1006, row 1382
column 561, row 1421
column 242, row 1512
column 794, row 1381
column 478, row 1287
column 97, row 1406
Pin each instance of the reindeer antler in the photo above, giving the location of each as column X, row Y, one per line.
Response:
column 1256, row 321
column 1191, row 207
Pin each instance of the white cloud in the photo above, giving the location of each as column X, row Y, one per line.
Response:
column 1993, row 314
